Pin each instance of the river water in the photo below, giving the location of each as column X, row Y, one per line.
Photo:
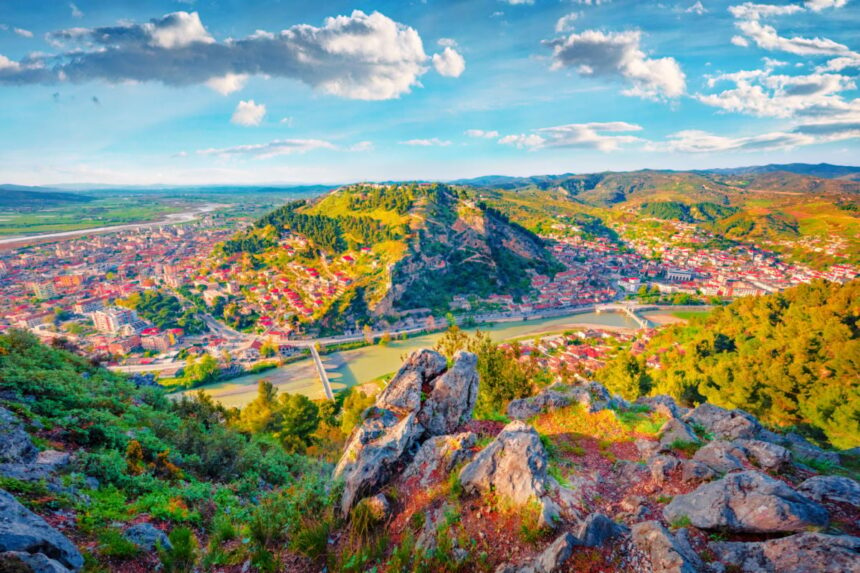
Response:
column 352, row 367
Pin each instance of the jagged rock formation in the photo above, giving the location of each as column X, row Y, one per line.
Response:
column 650, row 510
column 747, row 502
column 422, row 400
column 15, row 444
column 24, row 532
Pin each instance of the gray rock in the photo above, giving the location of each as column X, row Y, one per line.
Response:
column 664, row 405
column 647, row 448
column 549, row 561
column 41, row 468
column 804, row 450
column 724, row 424
column 676, row 431
column 662, row 466
column 555, row 397
column 36, row 562
column 766, row 455
column 597, row 529
column 16, row 447
column 420, row 402
column 403, row 392
column 24, row 531
column 514, row 466
column 832, row 488
column 668, row 553
column 747, row 502
column 696, row 472
column 800, row 553
column 452, row 396
column 722, row 457
column 440, row 454
column 373, row 453
column 147, row 537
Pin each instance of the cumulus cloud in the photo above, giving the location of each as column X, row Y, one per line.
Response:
column 596, row 135
column 618, row 55
column 360, row 56
column 432, row 142
column 748, row 20
column 480, row 133
column 271, row 149
column 449, row 63
column 763, row 93
column 565, row 23
column 819, row 5
column 248, row 113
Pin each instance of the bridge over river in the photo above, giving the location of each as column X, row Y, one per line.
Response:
column 628, row 309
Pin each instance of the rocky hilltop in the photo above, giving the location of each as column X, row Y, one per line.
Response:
column 581, row 480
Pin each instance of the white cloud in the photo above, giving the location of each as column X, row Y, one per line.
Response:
column 248, row 113
column 362, row 146
column 565, row 23
column 23, row 33
column 592, row 2
column 767, row 38
column 763, row 93
column 753, row 11
column 228, row 83
column 596, row 135
column 432, row 142
column 698, row 8
column 518, row 2
column 695, row 141
column 271, row 149
column 449, row 63
column 819, row 5
column 360, row 56
column 618, row 54
column 288, row 121
column 447, row 42
column 480, row 133
column 76, row 12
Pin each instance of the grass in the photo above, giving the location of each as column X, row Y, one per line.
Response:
column 680, row 522
column 688, row 448
column 690, row 314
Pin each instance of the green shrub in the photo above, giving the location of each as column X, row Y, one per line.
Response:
column 182, row 556
column 112, row 543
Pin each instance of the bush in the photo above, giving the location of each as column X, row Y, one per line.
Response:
column 182, row 556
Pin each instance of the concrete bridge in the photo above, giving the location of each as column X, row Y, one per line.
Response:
column 628, row 309
column 322, row 372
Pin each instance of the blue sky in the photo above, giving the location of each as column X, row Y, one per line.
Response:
column 221, row 91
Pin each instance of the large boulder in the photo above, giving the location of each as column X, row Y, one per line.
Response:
column 668, row 553
column 23, row 531
column 421, row 401
column 722, row 423
column 451, row 397
column 514, row 466
column 746, row 502
column 663, row 405
column 440, row 454
column 832, row 488
column 23, row 562
column 403, row 393
column 16, row 447
column 555, row 397
column 662, row 466
column 800, row 553
column 374, row 452
column 766, row 455
column 676, row 431
column 597, row 529
column 147, row 537
column 804, row 451
column 549, row 560
column 721, row 456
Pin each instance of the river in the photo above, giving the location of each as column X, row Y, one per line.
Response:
column 352, row 367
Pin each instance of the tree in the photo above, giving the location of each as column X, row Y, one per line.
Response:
column 626, row 375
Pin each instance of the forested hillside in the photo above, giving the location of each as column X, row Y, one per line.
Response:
column 791, row 359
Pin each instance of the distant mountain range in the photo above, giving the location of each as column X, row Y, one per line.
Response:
column 22, row 197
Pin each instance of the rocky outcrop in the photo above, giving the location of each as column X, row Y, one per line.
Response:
column 147, row 537
column 668, row 553
column 593, row 396
column 746, row 502
column 15, row 444
column 421, row 401
column 800, row 553
column 42, row 467
column 832, row 488
column 550, row 560
column 721, row 456
column 676, row 431
column 22, row 562
column 440, row 454
column 597, row 530
column 766, row 455
column 514, row 466
column 23, row 531
column 664, row 405
column 662, row 466
column 724, row 424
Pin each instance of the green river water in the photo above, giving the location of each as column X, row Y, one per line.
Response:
column 352, row 367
